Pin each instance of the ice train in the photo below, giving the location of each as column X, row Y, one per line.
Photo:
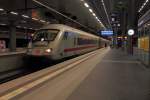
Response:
column 57, row 41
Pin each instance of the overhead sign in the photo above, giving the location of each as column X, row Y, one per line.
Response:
column 131, row 32
column 107, row 33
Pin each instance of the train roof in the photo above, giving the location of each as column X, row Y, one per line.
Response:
column 65, row 27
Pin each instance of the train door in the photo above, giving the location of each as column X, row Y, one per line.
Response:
column 65, row 44
column 75, row 42
column 69, row 43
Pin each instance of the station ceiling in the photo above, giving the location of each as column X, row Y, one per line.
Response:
column 72, row 8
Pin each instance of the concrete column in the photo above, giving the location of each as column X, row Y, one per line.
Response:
column 123, row 26
column 132, row 23
column 149, row 50
column 12, row 34
column 115, row 38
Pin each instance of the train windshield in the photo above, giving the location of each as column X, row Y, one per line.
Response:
column 45, row 35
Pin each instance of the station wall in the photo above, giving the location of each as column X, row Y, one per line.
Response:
column 10, row 62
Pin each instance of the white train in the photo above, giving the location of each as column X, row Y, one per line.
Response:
column 57, row 41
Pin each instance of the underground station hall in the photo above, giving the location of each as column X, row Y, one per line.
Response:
column 74, row 49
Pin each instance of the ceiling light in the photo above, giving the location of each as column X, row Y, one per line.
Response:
column 94, row 14
column 3, row 24
column 91, row 10
column 14, row 13
column 18, row 26
column 1, row 9
column 23, row 21
column 35, row 19
column 86, row 5
column 107, row 15
column 143, row 5
column 25, row 16
column 42, row 21
column 96, row 17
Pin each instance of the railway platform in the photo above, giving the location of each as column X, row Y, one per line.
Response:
column 118, row 76
column 105, row 74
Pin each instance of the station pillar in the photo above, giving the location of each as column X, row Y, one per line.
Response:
column 12, row 36
column 123, row 28
column 115, row 39
column 132, row 23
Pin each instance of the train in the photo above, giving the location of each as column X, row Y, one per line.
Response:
column 58, row 41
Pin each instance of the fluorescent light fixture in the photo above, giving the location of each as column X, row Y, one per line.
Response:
column 86, row 5
column 91, row 10
column 43, row 21
column 35, row 19
column 103, row 3
column 118, row 25
column 14, row 13
column 25, row 16
column 18, row 26
column 96, row 17
column 3, row 24
column 1, row 9
column 32, row 34
column 23, row 21
column 143, row 5
column 94, row 14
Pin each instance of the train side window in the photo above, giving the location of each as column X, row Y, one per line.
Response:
column 65, row 35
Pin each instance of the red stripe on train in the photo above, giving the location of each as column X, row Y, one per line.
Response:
column 78, row 48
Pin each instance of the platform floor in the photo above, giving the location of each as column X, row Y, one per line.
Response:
column 117, row 77
column 107, row 74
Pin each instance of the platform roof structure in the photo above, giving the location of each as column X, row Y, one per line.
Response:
column 74, row 9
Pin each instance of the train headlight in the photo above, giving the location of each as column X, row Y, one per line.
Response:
column 48, row 50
